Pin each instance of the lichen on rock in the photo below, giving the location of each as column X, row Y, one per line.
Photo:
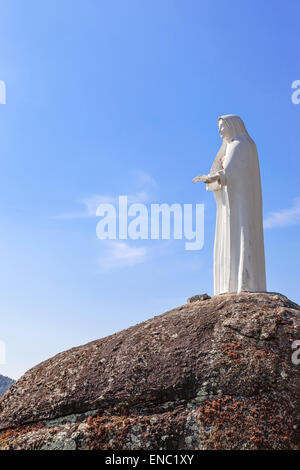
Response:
column 207, row 375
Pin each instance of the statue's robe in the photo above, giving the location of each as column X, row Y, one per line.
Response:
column 239, row 258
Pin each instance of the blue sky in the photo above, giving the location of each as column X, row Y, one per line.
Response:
column 112, row 97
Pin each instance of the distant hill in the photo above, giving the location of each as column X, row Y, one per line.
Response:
column 5, row 383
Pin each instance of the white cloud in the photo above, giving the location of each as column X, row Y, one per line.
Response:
column 120, row 254
column 143, row 197
column 143, row 178
column 91, row 203
column 72, row 215
column 284, row 217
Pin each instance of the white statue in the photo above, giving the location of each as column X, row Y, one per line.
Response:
column 239, row 257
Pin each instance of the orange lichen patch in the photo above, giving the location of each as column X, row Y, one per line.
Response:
column 119, row 432
column 232, row 350
column 280, row 320
column 113, row 432
column 235, row 350
column 10, row 435
column 20, row 430
column 244, row 424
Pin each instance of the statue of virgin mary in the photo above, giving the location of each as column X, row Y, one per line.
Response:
column 239, row 257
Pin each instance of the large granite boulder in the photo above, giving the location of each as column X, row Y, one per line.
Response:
column 211, row 374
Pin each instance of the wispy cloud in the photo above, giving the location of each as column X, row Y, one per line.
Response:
column 90, row 204
column 284, row 217
column 143, row 182
column 143, row 178
column 120, row 254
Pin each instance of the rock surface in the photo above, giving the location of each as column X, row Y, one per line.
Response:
column 207, row 375
column 5, row 383
column 196, row 298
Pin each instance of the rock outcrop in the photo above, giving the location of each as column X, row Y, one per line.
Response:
column 5, row 383
column 211, row 374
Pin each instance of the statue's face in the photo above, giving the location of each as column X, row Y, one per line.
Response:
column 224, row 130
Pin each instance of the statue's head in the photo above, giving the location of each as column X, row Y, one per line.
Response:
column 224, row 130
column 232, row 127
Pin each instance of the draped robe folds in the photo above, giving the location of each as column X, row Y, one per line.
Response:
column 239, row 258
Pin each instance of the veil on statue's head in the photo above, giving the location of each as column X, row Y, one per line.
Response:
column 237, row 130
column 236, row 126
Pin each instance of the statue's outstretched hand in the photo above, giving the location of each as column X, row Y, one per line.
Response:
column 200, row 178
